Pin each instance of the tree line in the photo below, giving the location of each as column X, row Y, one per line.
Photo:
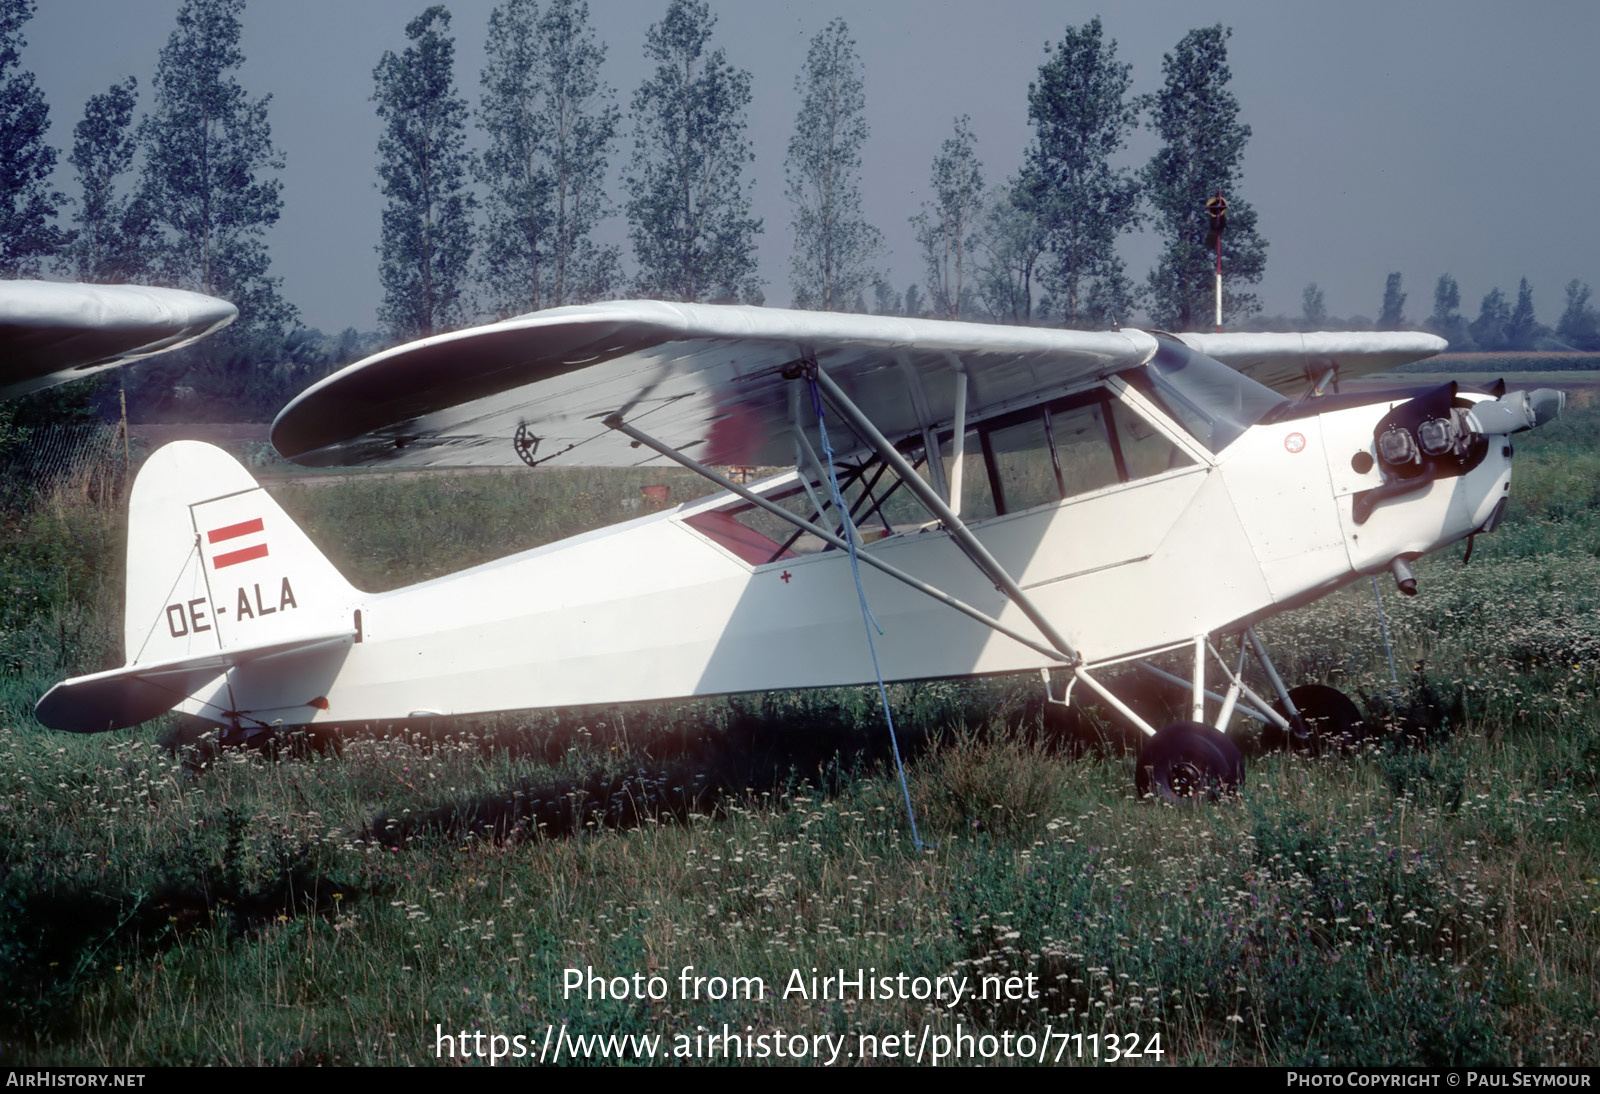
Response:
column 1501, row 325
column 183, row 196
column 494, row 206
column 1040, row 247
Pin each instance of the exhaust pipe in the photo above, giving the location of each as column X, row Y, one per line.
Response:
column 1404, row 579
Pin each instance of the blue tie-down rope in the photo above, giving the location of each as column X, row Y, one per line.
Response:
column 1383, row 624
column 867, row 619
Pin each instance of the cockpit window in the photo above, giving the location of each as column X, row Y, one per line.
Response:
column 1072, row 446
column 1212, row 401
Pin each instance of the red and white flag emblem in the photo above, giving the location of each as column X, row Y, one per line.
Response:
column 237, row 553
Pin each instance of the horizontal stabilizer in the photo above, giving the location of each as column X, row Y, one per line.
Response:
column 127, row 696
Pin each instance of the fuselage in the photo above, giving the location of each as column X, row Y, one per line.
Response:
column 679, row 604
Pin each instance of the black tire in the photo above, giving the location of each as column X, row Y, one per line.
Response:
column 1186, row 761
column 1333, row 721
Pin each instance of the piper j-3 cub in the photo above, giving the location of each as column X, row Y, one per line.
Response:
column 1081, row 499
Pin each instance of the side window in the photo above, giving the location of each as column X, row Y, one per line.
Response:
column 1084, row 454
column 878, row 502
column 1021, row 454
column 1074, row 446
column 1145, row 450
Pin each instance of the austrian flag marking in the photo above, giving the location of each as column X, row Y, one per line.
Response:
column 239, row 554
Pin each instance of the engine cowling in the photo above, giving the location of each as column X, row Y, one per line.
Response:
column 1439, row 434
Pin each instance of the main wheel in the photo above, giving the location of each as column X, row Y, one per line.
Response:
column 1334, row 722
column 1187, row 760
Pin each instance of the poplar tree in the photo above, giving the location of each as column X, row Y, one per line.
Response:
column 551, row 124
column 28, row 204
column 208, row 167
column 1014, row 244
column 1391, row 316
column 1579, row 326
column 885, row 301
column 1522, row 328
column 1446, row 319
column 1494, row 315
column 1082, row 114
column 1446, row 304
column 1312, row 306
column 833, row 243
column 912, row 303
column 1202, row 153
column 947, row 227
column 112, row 236
column 688, row 213
column 422, row 165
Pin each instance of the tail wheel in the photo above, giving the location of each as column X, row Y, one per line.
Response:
column 1334, row 723
column 1186, row 761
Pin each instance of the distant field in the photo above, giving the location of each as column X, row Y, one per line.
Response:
column 1507, row 362
column 1577, row 373
column 156, row 434
column 1431, row 901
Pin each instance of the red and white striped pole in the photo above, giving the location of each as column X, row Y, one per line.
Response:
column 1219, row 284
column 1217, row 211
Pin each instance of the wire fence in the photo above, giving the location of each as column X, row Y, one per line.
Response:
column 88, row 458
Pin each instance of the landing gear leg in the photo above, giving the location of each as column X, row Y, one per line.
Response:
column 1333, row 722
column 1296, row 729
column 1189, row 760
column 1319, row 717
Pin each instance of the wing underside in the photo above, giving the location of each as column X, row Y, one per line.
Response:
column 708, row 380
column 715, row 382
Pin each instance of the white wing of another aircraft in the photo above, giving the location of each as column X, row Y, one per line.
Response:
column 710, row 381
column 52, row 332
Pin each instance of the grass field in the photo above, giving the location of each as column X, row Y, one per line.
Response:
column 1572, row 361
column 1433, row 900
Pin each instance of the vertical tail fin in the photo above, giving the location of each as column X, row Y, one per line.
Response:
column 218, row 575
column 214, row 563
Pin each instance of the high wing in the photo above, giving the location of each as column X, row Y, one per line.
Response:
column 1291, row 363
column 707, row 380
column 52, row 332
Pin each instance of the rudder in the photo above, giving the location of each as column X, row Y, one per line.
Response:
column 214, row 563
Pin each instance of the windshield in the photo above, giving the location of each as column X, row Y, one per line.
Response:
column 1212, row 401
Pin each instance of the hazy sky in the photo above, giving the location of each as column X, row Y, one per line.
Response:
column 1426, row 138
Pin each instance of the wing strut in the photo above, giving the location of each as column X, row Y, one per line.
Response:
column 615, row 422
column 959, row 532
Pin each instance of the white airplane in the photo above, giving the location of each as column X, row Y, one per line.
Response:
column 52, row 332
column 1093, row 498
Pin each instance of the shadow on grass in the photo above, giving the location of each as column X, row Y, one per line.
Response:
column 690, row 760
column 673, row 763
